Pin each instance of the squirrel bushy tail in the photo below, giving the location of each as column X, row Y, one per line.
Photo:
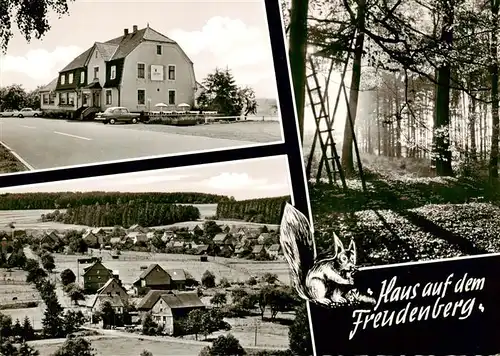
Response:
column 297, row 242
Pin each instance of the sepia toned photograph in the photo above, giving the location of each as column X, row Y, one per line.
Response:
column 180, row 261
column 99, row 81
column 398, row 107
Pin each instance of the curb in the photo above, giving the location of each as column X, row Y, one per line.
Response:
column 19, row 158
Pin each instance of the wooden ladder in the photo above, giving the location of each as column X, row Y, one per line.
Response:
column 330, row 160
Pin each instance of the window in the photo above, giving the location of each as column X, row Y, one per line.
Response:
column 71, row 98
column 96, row 72
column 63, row 79
column 141, row 67
column 63, row 98
column 85, row 99
column 52, row 98
column 108, row 97
column 158, row 49
column 70, row 78
column 82, row 77
column 171, row 72
column 113, row 72
column 171, row 97
column 141, row 97
column 45, row 98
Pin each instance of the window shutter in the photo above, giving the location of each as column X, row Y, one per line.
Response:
column 149, row 72
column 164, row 72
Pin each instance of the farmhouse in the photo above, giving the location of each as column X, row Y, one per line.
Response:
column 220, row 238
column 274, row 250
column 177, row 278
column 115, row 240
column 167, row 236
column 166, row 307
column 95, row 277
column 150, row 235
column 137, row 70
column 265, row 236
column 49, row 237
column 195, row 230
column 93, row 239
column 111, row 292
column 135, row 228
column 171, row 307
column 257, row 249
column 136, row 237
column 201, row 249
column 153, row 278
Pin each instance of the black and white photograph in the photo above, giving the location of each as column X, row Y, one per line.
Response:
column 180, row 261
column 398, row 106
column 85, row 82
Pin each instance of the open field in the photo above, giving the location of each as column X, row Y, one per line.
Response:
column 107, row 346
column 130, row 262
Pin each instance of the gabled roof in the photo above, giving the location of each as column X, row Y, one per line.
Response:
column 177, row 274
column 87, row 234
column 257, row 248
column 51, row 86
column 182, row 300
column 89, row 268
column 220, row 237
column 79, row 61
column 150, row 269
column 274, row 247
column 106, row 50
column 151, row 298
column 108, row 283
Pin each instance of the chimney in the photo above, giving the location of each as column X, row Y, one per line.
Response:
column 125, row 31
column 135, row 28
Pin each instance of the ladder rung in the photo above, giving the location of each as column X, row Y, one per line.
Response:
column 315, row 88
column 310, row 75
column 317, row 103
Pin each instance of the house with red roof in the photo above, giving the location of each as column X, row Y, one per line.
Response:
column 137, row 70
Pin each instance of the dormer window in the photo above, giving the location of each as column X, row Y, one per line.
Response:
column 113, row 72
column 63, row 79
column 70, row 78
column 82, row 77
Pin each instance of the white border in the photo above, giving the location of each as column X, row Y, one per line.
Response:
column 111, row 76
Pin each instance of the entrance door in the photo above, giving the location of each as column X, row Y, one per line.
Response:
column 96, row 99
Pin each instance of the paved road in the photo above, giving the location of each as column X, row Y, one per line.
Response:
column 44, row 143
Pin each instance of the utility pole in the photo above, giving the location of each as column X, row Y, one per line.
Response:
column 255, row 339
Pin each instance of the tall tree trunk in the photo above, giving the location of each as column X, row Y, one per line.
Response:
column 472, row 128
column 297, row 53
column 442, row 105
column 493, row 166
column 379, row 146
column 347, row 159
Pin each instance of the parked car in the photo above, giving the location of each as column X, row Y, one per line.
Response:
column 117, row 114
column 7, row 113
column 27, row 112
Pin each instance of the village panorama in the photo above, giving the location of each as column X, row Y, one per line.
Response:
column 157, row 273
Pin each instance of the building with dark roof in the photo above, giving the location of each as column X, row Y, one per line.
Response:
column 137, row 70
column 166, row 306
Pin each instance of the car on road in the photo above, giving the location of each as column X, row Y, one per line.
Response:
column 27, row 112
column 7, row 113
column 116, row 114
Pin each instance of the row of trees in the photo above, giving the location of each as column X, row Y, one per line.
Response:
column 144, row 214
column 25, row 201
column 221, row 94
column 15, row 97
column 265, row 210
column 441, row 56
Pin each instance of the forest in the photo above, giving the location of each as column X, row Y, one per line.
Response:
column 126, row 214
column 266, row 210
column 25, row 201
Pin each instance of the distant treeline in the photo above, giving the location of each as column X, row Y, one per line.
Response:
column 24, row 201
column 267, row 210
column 127, row 214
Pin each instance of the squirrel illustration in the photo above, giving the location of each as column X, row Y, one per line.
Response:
column 327, row 280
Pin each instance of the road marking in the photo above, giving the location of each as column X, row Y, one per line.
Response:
column 19, row 158
column 70, row 135
column 29, row 127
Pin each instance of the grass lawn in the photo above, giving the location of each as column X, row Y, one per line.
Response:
column 9, row 163
column 113, row 346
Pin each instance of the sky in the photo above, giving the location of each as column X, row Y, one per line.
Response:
column 215, row 33
column 245, row 179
